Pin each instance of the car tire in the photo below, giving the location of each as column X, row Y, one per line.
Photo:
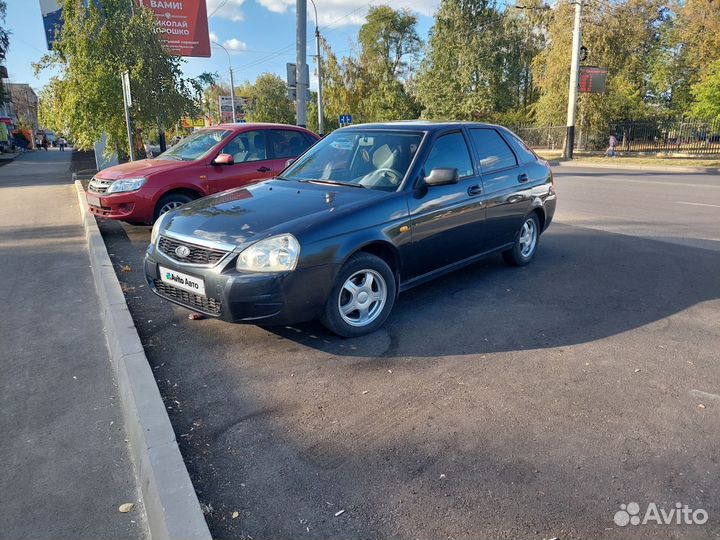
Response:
column 526, row 242
column 171, row 201
column 372, row 296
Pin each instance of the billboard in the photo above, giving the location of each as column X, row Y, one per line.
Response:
column 242, row 104
column 52, row 18
column 182, row 25
column 592, row 79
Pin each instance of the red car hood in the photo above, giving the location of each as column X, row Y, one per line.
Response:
column 143, row 167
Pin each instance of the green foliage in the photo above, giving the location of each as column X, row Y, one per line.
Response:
column 269, row 100
column 4, row 44
column 478, row 61
column 94, row 47
column 707, row 94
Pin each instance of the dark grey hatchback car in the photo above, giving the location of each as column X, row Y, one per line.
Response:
column 367, row 212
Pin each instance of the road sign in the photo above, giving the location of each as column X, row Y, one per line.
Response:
column 126, row 88
column 345, row 119
column 242, row 104
column 592, row 79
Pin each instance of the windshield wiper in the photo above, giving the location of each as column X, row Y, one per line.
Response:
column 333, row 182
column 171, row 156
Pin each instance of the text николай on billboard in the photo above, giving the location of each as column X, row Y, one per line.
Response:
column 182, row 25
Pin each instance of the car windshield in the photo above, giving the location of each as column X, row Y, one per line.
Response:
column 373, row 159
column 196, row 146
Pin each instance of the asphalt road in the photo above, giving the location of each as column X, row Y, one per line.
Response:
column 495, row 403
column 66, row 464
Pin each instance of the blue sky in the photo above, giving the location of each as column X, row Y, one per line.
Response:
column 260, row 35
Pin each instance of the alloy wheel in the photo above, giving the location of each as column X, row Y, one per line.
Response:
column 362, row 298
column 528, row 238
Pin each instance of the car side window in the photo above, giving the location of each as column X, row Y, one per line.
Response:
column 522, row 150
column 450, row 151
column 247, row 146
column 493, row 151
column 288, row 143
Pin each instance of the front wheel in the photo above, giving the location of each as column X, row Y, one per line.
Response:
column 171, row 201
column 526, row 243
column 362, row 297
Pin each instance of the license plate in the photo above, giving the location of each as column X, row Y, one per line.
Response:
column 93, row 200
column 182, row 281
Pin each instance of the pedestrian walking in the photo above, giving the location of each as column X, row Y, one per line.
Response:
column 38, row 143
column 62, row 143
column 612, row 143
column 45, row 143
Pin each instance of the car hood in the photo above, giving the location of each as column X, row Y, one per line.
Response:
column 272, row 207
column 143, row 167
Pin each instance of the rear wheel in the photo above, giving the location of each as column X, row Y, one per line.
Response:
column 526, row 242
column 362, row 297
column 171, row 201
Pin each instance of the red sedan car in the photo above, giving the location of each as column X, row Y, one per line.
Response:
column 210, row 160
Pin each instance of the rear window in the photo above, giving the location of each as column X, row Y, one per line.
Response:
column 522, row 150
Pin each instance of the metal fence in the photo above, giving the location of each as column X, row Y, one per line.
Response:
column 681, row 136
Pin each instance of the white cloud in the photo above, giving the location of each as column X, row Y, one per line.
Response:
column 234, row 44
column 214, row 37
column 339, row 13
column 278, row 6
column 226, row 9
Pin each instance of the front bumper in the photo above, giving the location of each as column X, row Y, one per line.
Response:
column 244, row 297
column 132, row 206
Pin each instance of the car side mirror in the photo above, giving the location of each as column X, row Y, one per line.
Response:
column 289, row 162
column 442, row 177
column 224, row 159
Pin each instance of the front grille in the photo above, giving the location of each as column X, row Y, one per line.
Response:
column 188, row 299
column 98, row 185
column 198, row 254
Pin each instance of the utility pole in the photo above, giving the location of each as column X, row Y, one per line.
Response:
column 573, row 90
column 301, row 62
column 232, row 84
column 321, row 113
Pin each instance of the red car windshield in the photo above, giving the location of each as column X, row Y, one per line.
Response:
column 196, row 146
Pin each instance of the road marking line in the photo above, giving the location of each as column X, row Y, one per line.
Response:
column 698, row 204
column 703, row 395
column 575, row 178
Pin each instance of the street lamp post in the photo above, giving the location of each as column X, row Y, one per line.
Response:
column 232, row 83
column 321, row 115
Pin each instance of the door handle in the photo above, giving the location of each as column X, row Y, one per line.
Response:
column 475, row 190
column 264, row 169
column 523, row 178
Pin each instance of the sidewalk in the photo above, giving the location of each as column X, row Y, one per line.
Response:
column 66, row 460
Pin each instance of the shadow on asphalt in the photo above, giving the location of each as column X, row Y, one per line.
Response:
column 584, row 285
column 417, row 431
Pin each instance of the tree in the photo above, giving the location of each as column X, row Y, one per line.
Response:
column 96, row 44
column 269, row 101
column 707, row 94
column 4, row 44
column 475, row 64
column 389, row 48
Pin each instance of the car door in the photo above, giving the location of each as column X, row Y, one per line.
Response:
column 506, row 183
column 287, row 144
column 446, row 221
column 252, row 162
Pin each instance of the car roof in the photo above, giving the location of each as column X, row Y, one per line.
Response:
column 421, row 125
column 250, row 125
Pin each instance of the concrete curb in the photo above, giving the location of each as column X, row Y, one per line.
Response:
column 172, row 507
column 631, row 167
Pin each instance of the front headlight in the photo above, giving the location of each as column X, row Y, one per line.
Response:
column 156, row 228
column 275, row 254
column 128, row 184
